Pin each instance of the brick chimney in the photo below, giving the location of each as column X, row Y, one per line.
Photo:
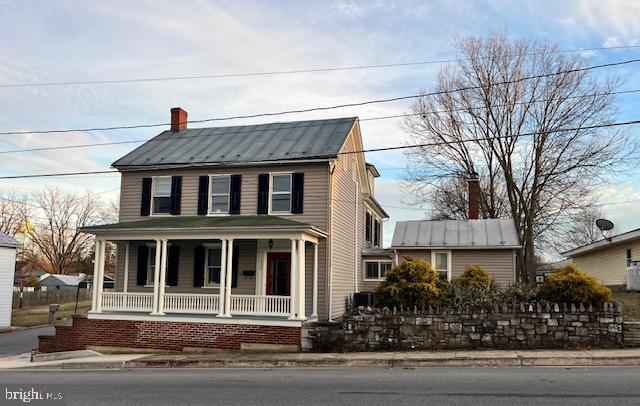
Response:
column 178, row 119
column 474, row 196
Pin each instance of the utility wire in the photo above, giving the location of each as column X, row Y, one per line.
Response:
column 337, row 106
column 139, row 168
column 282, row 72
column 182, row 137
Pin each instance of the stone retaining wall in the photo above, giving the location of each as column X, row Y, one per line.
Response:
column 524, row 326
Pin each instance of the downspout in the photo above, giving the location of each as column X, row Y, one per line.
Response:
column 330, row 247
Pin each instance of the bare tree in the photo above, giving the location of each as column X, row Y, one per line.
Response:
column 57, row 237
column 521, row 115
column 580, row 229
column 13, row 207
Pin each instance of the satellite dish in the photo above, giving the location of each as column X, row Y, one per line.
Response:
column 604, row 225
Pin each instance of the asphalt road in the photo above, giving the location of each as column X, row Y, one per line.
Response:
column 434, row 386
column 20, row 341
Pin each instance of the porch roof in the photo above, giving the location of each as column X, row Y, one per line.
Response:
column 204, row 222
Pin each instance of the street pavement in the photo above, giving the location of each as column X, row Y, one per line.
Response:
column 371, row 386
column 21, row 341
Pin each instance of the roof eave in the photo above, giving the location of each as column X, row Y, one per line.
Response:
column 315, row 159
column 476, row 247
column 293, row 227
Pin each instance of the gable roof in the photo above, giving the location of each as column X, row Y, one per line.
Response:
column 298, row 140
column 463, row 234
column 8, row 242
column 67, row 280
column 594, row 246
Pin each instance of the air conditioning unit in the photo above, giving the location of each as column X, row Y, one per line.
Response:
column 365, row 299
column 633, row 276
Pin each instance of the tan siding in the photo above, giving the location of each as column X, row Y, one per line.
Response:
column 499, row 263
column 315, row 190
column 608, row 265
column 416, row 254
column 347, row 205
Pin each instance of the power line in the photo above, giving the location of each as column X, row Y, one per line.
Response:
column 337, row 106
column 282, row 72
column 433, row 144
column 182, row 137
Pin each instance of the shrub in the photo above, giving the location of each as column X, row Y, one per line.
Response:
column 570, row 285
column 475, row 288
column 519, row 293
column 411, row 283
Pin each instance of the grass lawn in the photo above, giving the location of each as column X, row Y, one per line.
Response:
column 36, row 316
column 630, row 302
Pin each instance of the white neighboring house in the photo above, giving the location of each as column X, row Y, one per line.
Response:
column 8, row 248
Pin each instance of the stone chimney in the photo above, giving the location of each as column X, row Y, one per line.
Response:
column 178, row 119
column 474, row 196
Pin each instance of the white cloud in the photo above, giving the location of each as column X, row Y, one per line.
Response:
column 613, row 41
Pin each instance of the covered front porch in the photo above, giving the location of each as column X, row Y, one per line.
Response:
column 209, row 274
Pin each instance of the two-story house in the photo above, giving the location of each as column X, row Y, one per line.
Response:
column 231, row 237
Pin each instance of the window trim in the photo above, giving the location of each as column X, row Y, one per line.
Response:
column 433, row 262
column 152, row 246
column 153, row 196
column 271, row 175
column 379, row 262
column 210, row 195
column 207, row 247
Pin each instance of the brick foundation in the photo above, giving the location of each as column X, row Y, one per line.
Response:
column 161, row 335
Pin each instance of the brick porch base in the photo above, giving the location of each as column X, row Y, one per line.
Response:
column 162, row 335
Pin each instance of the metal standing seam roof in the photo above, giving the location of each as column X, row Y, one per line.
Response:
column 242, row 144
column 8, row 242
column 482, row 233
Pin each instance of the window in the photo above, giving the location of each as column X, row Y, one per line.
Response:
column 281, row 193
column 213, row 264
column 162, row 195
column 377, row 269
column 367, row 227
column 441, row 261
column 220, row 188
column 151, row 265
column 629, row 257
column 376, row 233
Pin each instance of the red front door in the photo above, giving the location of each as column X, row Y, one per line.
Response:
column 278, row 273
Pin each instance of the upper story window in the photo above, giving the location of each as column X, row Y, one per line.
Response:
column 281, row 193
column 162, row 195
column 220, row 190
column 373, row 229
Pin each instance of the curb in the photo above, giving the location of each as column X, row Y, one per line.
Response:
column 13, row 329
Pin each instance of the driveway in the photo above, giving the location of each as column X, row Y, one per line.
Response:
column 21, row 341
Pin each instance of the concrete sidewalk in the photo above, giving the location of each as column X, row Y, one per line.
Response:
column 622, row 357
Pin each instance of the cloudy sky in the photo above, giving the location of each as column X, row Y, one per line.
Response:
column 84, row 41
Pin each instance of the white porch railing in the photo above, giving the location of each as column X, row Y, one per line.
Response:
column 191, row 303
column 260, row 305
column 129, row 301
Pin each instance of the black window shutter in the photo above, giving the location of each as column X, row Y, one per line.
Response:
column 203, row 195
column 376, row 233
column 198, row 267
column 235, row 193
column 145, row 203
column 176, row 194
column 263, row 193
column 367, row 227
column 297, row 197
column 234, row 268
column 143, row 254
column 173, row 264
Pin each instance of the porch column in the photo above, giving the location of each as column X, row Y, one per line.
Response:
column 96, row 275
column 100, row 276
column 314, row 309
column 125, row 284
column 300, row 279
column 156, row 277
column 223, row 278
column 163, row 277
column 292, row 283
column 227, row 298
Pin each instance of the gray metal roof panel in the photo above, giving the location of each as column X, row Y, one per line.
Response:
column 8, row 242
column 483, row 233
column 248, row 143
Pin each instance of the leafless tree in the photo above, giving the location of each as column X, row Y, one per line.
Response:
column 13, row 207
column 497, row 112
column 57, row 237
column 580, row 229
